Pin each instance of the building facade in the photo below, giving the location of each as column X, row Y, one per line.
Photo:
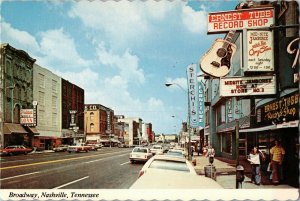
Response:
column 16, row 94
column 237, row 120
column 99, row 126
column 72, row 113
column 47, row 91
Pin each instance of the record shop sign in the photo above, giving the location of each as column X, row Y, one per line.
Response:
column 285, row 108
column 247, row 86
column 240, row 19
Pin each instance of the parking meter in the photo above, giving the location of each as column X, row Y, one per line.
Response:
column 240, row 175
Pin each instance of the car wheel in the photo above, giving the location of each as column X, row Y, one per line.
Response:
column 131, row 161
column 25, row 153
column 69, row 152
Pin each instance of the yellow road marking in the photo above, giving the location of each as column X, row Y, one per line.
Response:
column 54, row 161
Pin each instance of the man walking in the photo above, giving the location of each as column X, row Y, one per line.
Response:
column 277, row 153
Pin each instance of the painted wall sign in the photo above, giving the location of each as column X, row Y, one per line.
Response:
column 193, row 95
column 260, row 51
column 247, row 86
column 28, row 117
column 240, row 19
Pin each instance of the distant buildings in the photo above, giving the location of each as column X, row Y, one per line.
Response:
column 40, row 109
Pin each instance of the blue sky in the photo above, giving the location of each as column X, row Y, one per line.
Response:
column 121, row 53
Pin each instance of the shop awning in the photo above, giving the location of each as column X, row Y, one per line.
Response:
column 33, row 130
column 265, row 128
column 9, row 128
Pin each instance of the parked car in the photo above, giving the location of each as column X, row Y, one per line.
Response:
column 94, row 147
column 15, row 149
column 62, row 147
column 140, row 154
column 157, row 149
column 169, row 172
column 176, row 153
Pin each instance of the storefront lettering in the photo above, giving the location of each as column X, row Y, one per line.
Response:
column 284, row 107
column 292, row 51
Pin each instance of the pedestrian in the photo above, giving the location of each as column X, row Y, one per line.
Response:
column 210, row 153
column 277, row 153
column 255, row 158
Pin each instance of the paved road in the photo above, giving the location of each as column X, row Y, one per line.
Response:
column 108, row 168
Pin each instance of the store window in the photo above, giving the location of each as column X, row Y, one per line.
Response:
column 227, row 143
column 92, row 127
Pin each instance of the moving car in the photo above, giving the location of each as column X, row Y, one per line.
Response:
column 140, row 154
column 169, row 172
column 79, row 148
column 157, row 149
column 62, row 147
column 15, row 149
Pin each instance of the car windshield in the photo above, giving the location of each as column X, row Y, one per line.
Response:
column 140, row 150
column 157, row 147
column 169, row 165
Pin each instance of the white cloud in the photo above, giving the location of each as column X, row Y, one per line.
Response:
column 195, row 21
column 59, row 51
column 127, row 64
column 17, row 38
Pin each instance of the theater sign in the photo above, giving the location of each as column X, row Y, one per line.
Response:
column 247, row 86
column 240, row 19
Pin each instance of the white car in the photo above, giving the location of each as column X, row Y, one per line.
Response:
column 157, row 149
column 165, row 172
column 140, row 154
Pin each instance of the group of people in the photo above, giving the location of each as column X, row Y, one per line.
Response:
column 256, row 158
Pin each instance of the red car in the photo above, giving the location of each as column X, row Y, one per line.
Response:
column 15, row 149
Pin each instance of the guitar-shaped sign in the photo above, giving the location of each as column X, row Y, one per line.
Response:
column 217, row 61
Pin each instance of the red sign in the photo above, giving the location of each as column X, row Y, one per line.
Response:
column 240, row 19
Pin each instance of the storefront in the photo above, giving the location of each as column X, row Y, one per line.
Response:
column 278, row 119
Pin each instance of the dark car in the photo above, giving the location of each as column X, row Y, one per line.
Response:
column 15, row 149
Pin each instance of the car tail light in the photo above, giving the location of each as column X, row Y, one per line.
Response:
column 141, row 173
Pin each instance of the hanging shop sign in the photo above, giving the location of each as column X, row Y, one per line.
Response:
column 240, row 19
column 247, row 86
column 192, row 95
column 28, row 117
column 72, row 122
column 260, row 51
column 281, row 110
column 201, row 104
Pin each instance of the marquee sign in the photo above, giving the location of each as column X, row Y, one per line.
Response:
column 28, row 117
column 240, row 19
column 247, row 86
column 260, row 51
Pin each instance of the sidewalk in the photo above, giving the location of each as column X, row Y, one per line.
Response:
column 225, row 174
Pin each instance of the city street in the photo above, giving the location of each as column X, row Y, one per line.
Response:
column 107, row 168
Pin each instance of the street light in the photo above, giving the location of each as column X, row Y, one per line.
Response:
column 189, row 115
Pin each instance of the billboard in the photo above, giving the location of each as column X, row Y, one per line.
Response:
column 247, row 86
column 259, row 51
column 240, row 19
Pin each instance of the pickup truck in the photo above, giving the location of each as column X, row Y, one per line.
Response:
column 79, row 148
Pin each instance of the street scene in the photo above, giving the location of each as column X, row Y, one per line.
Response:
column 137, row 96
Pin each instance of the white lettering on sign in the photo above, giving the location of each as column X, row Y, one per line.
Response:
column 240, row 19
column 260, row 55
column 292, row 51
column 247, row 86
